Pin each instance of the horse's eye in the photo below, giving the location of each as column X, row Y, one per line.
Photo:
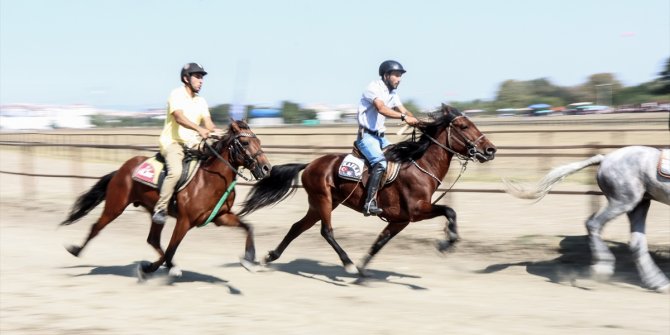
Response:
column 464, row 127
column 244, row 144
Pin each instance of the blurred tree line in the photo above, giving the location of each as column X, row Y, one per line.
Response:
column 290, row 111
column 600, row 88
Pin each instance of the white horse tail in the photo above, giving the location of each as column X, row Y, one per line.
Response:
column 554, row 176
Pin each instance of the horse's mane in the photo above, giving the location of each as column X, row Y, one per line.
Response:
column 409, row 150
column 228, row 137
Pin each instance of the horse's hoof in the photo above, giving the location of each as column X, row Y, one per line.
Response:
column 445, row 246
column 364, row 273
column 351, row 269
column 251, row 266
column 602, row 272
column 74, row 250
column 174, row 272
column 270, row 257
column 663, row 289
column 141, row 272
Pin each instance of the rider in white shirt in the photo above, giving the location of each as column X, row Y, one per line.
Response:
column 378, row 102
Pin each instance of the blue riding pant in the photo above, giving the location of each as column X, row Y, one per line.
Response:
column 371, row 147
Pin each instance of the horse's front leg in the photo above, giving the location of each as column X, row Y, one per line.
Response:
column 425, row 210
column 232, row 220
column 391, row 230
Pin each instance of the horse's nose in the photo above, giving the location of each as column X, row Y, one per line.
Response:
column 491, row 151
column 266, row 169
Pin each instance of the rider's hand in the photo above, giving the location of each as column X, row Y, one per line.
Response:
column 412, row 121
column 203, row 132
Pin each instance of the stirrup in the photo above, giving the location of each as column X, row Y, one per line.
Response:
column 159, row 217
column 370, row 209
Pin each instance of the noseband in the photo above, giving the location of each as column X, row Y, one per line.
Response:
column 464, row 141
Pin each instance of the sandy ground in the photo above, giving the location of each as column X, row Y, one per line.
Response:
column 520, row 269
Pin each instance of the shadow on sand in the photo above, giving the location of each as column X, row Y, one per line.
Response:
column 336, row 275
column 130, row 271
column 575, row 261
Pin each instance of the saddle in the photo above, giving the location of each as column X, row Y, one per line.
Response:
column 664, row 163
column 152, row 171
column 354, row 164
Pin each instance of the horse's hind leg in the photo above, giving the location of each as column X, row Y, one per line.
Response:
column 391, row 230
column 112, row 211
column 298, row 228
column 603, row 259
column 232, row 220
column 652, row 277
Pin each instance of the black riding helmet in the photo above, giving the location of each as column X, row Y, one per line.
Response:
column 191, row 68
column 390, row 65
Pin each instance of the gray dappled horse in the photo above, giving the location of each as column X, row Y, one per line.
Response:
column 629, row 179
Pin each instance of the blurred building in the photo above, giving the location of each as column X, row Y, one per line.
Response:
column 32, row 116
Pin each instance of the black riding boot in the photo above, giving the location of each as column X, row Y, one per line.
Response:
column 370, row 207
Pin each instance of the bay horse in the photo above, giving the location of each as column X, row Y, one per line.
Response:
column 629, row 179
column 194, row 204
column 424, row 163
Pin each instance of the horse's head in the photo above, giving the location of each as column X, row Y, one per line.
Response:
column 245, row 149
column 465, row 138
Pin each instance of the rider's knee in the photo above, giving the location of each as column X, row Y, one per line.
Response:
column 174, row 171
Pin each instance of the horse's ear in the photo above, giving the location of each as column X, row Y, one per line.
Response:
column 445, row 108
column 234, row 126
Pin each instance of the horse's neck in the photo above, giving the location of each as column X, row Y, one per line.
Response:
column 436, row 159
column 217, row 165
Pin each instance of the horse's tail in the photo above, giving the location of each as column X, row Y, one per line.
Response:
column 89, row 200
column 273, row 188
column 554, row 176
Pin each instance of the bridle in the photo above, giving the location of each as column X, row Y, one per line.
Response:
column 236, row 148
column 464, row 141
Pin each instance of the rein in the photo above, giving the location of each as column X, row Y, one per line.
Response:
column 234, row 182
column 218, row 156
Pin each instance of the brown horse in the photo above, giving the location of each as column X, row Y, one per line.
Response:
column 424, row 163
column 194, row 204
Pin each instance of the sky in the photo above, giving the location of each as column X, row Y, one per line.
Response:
column 128, row 53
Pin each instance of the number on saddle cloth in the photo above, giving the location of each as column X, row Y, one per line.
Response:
column 354, row 164
column 152, row 171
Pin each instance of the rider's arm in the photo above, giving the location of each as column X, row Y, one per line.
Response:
column 396, row 114
column 186, row 123
column 209, row 124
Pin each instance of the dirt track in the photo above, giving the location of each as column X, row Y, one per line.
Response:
column 520, row 269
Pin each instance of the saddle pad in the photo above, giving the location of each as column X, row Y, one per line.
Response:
column 664, row 163
column 149, row 172
column 352, row 169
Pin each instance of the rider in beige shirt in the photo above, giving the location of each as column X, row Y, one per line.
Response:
column 186, row 112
